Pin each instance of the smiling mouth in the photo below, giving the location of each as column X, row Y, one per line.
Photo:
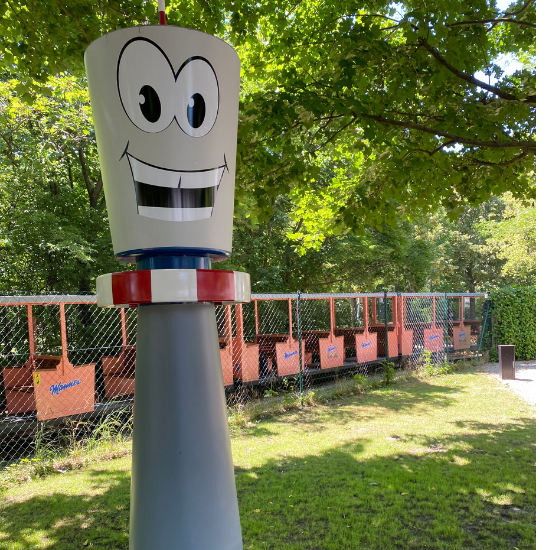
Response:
column 174, row 195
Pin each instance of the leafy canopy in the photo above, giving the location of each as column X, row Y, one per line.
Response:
column 374, row 104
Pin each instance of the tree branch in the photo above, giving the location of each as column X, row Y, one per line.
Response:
column 454, row 138
column 97, row 190
column 506, row 163
column 22, row 20
column 85, row 171
column 494, row 21
column 93, row 190
column 527, row 4
column 270, row 173
column 437, row 149
column 9, row 151
column 472, row 80
column 334, row 134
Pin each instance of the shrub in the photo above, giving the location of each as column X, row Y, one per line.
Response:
column 514, row 313
column 388, row 373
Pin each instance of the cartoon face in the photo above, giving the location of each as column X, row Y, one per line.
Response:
column 154, row 96
column 165, row 105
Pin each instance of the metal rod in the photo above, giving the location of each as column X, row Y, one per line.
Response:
column 446, row 325
column 256, row 317
column 483, row 329
column 332, row 318
column 366, row 315
column 162, row 12
column 300, row 357
column 386, row 325
column 290, row 337
column 123, row 325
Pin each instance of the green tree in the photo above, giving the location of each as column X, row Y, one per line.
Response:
column 513, row 240
column 53, row 227
column 357, row 122
column 394, row 258
column 487, row 247
column 397, row 83
column 393, row 81
column 464, row 261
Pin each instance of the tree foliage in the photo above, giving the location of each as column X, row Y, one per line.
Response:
column 395, row 82
column 397, row 86
column 53, row 227
column 370, row 147
column 396, row 258
column 487, row 247
column 513, row 240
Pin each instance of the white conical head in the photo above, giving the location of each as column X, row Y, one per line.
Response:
column 165, row 102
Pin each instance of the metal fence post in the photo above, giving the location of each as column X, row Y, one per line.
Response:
column 483, row 329
column 446, row 325
column 299, row 319
column 386, row 324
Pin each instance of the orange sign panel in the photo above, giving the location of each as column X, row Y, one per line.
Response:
column 461, row 337
column 249, row 362
column 288, row 357
column 62, row 389
column 227, row 365
column 406, row 343
column 433, row 339
column 331, row 351
column 366, row 347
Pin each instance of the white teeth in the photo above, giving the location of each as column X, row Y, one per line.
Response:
column 175, row 214
column 164, row 177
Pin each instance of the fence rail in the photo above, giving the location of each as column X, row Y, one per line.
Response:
column 63, row 358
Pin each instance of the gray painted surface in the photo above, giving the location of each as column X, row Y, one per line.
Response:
column 183, row 493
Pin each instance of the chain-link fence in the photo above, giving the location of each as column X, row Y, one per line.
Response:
column 68, row 365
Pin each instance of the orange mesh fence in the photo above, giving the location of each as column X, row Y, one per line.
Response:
column 66, row 364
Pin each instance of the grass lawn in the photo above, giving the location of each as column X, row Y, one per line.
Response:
column 445, row 462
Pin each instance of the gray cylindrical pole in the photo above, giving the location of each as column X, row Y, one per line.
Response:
column 183, row 493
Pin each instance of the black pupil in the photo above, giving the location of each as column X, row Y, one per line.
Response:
column 196, row 111
column 151, row 106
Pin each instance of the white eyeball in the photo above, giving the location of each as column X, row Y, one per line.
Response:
column 146, row 85
column 197, row 97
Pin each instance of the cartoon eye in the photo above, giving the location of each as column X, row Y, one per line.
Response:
column 197, row 97
column 146, row 85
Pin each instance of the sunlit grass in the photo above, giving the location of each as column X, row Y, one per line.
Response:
column 440, row 463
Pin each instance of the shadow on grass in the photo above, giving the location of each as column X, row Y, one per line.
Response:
column 67, row 522
column 468, row 493
column 456, row 492
column 404, row 397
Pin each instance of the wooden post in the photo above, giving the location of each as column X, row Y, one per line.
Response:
column 399, row 323
column 123, row 326
column 290, row 338
column 30, row 323
column 238, row 349
column 332, row 319
column 64, row 355
column 228, row 328
column 366, row 316
column 256, row 321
